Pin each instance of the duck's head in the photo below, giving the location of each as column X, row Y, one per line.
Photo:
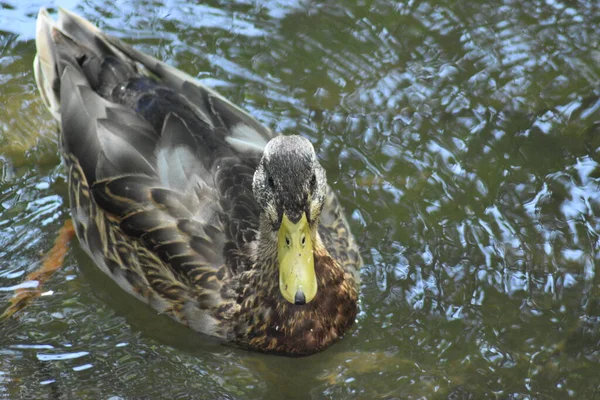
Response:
column 290, row 186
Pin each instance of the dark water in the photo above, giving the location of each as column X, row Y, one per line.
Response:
column 463, row 138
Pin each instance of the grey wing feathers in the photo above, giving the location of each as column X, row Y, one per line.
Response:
column 160, row 218
column 246, row 133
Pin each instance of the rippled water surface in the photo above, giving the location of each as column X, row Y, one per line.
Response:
column 464, row 140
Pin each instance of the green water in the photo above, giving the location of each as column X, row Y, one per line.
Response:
column 463, row 139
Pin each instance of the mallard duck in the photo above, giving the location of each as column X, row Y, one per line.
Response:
column 189, row 203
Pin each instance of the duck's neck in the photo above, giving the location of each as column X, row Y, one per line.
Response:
column 267, row 246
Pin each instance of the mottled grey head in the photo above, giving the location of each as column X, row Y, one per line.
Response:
column 290, row 186
column 290, row 180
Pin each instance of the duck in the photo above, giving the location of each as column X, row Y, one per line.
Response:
column 190, row 204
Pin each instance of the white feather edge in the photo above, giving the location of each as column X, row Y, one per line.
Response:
column 246, row 139
column 43, row 63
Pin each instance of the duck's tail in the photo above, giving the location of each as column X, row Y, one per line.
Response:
column 72, row 41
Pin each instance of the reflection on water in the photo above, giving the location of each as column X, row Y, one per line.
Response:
column 463, row 139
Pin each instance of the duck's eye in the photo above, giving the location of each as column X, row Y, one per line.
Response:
column 313, row 180
column 271, row 183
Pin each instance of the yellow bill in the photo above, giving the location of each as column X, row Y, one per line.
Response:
column 297, row 279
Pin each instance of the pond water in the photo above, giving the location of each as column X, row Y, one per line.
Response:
column 463, row 139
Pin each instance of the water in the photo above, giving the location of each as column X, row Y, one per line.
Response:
column 463, row 138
